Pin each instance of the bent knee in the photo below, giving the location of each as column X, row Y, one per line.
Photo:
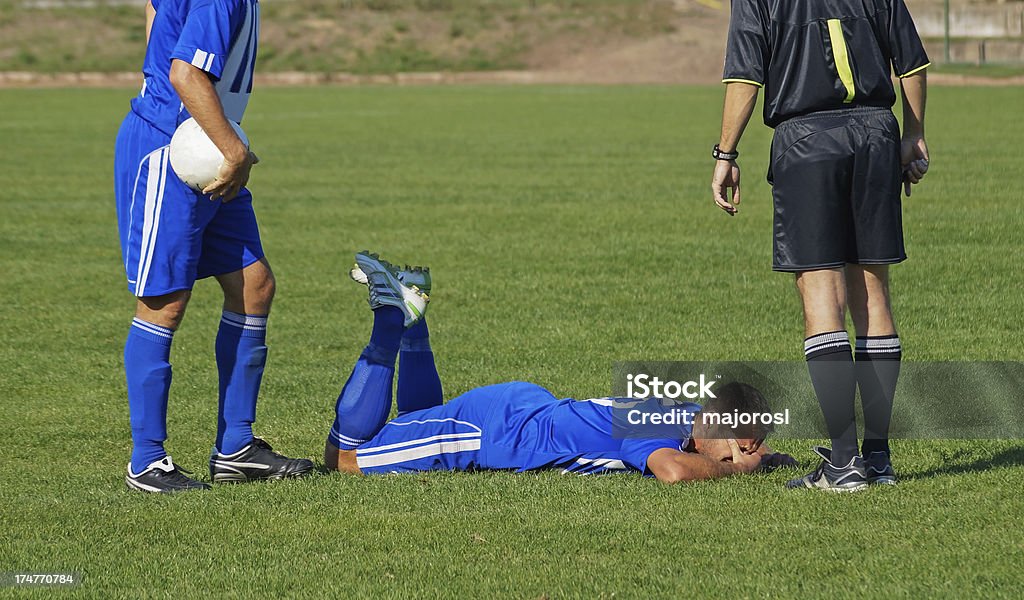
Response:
column 167, row 310
column 258, row 283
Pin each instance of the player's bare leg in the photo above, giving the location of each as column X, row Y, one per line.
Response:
column 878, row 354
column 342, row 461
column 250, row 290
column 166, row 311
column 830, row 364
column 241, row 350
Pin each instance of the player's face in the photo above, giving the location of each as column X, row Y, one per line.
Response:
column 718, row 449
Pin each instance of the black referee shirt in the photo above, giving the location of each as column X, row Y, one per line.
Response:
column 812, row 55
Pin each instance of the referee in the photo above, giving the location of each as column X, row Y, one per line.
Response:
column 837, row 164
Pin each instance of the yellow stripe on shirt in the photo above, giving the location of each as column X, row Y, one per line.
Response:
column 912, row 71
column 835, row 34
column 734, row 80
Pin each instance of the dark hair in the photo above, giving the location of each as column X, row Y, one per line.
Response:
column 737, row 398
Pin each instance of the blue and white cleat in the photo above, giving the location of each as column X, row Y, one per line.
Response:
column 851, row 477
column 387, row 289
column 410, row 276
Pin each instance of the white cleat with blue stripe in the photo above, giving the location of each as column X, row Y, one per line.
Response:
column 387, row 288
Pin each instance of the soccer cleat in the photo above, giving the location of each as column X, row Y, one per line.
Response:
column 879, row 469
column 849, row 478
column 386, row 289
column 410, row 276
column 256, row 462
column 163, row 477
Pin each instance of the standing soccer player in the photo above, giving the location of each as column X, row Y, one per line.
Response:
column 199, row 62
column 837, row 162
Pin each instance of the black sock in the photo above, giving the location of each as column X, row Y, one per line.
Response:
column 878, row 368
column 830, row 363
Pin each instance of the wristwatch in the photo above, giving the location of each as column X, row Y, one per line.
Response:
column 720, row 155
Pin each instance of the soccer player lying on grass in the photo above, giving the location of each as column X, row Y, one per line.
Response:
column 515, row 425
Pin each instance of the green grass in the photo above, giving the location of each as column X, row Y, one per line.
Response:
column 996, row 71
column 567, row 227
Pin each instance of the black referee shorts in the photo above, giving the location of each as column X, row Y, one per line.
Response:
column 836, row 180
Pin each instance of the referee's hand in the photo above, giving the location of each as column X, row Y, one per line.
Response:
column 914, row 159
column 727, row 177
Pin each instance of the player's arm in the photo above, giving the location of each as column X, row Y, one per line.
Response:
column 914, row 150
column 672, row 466
column 740, row 98
column 200, row 98
column 150, row 15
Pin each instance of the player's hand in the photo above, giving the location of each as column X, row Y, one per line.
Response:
column 231, row 178
column 727, row 177
column 770, row 462
column 914, row 159
column 742, row 461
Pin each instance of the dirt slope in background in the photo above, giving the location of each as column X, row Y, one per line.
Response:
column 308, row 42
column 605, row 41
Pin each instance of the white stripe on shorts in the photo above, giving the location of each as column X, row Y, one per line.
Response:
column 444, row 436
column 154, row 192
column 390, row 458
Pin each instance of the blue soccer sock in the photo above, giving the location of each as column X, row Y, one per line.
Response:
column 419, row 385
column 365, row 401
column 147, row 369
column 241, row 356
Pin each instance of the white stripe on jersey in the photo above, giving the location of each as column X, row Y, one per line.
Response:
column 614, row 402
column 588, row 466
column 199, row 60
column 237, row 65
column 390, row 458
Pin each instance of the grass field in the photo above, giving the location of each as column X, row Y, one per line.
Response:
column 567, row 227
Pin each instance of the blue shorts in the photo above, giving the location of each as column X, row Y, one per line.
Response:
column 170, row 234
column 464, row 434
column 446, row 437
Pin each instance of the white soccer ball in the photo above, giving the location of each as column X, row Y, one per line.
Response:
column 194, row 157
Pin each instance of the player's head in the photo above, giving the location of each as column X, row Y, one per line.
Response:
column 720, row 420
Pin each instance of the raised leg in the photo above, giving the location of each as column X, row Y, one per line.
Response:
column 419, row 385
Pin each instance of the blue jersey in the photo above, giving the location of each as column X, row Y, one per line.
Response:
column 217, row 36
column 531, row 429
column 519, row 426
